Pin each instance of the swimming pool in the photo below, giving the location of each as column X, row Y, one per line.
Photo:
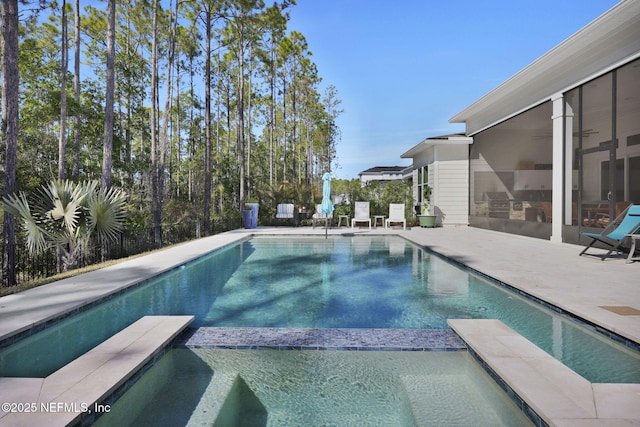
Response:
column 349, row 282
column 314, row 388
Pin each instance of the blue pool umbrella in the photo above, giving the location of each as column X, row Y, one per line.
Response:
column 327, row 207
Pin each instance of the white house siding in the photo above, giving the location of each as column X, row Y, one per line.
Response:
column 445, row 160
column 451, row 194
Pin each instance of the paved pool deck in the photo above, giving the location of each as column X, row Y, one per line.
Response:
column 605, row 293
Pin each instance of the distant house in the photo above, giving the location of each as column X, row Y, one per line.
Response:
column 384, row 174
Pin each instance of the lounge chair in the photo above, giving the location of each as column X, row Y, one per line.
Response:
column 361, row 214
column 285, row 211
column 319, row 216
column 396, row 214
column 628, row 222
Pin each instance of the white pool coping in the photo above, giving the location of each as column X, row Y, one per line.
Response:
column 552, row 272
column 557, row 394
column 79, row 388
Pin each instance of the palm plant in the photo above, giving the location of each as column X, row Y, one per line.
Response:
column 66, row 215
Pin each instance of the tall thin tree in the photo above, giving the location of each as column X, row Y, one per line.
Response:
column 156, row 205
column 9, row 129
column 207, row 18
column 64, row 65
column 76, row 90
column 107, row 151
column 164, row 130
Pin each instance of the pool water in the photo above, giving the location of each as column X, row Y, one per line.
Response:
column 314, row 388
column 346, row 282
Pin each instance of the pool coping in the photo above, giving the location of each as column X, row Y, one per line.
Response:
column 76, row 392
column 547, row 391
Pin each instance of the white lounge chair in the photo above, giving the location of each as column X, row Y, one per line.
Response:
column 361, row 214
column 319, row 216
column 396, row 214
column 285, row 211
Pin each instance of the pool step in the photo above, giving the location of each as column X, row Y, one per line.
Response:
column 555, row 393
column 73, row 391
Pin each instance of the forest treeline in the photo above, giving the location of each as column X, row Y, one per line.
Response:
column 191, row 107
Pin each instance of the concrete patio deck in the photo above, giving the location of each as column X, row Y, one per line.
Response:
column 605, row 293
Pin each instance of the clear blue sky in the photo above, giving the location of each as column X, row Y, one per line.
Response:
column 404, row 68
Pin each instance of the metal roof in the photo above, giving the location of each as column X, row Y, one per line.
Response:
column 388, row 169
column 454, row 138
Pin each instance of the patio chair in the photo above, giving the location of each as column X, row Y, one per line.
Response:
column 602, row 219
column 361, row 214
column 285, row 211
column 396, row 214
column 319, row 216
column 628, row 222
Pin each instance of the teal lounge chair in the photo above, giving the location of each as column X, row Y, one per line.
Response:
column 627, row 223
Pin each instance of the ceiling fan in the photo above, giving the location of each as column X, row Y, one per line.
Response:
column 585, row 134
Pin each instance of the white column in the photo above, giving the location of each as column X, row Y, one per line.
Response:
column 558, row 168
column 569, row 179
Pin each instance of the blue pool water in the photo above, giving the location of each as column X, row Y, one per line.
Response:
column 372, row 282
column 314, row 388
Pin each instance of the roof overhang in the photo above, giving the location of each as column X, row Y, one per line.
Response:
column 606, row 43
column 395, row 170
column 454, row 139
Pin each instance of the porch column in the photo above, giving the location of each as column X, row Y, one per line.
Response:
column 558, row 168
column 570, row 180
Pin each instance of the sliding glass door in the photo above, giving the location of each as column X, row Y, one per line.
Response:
column 603, row 119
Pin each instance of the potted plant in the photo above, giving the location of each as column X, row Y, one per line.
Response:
column 426, row 219
column 426, row 200
column 425, row 208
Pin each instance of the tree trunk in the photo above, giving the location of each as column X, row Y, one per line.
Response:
column 164, row 132
column 109, row 98
column 248, row 137
column 64, row 65
column 9, row 130
column 284, row 127
column 241, row 138
column 218, row 139
column 272, row 112
column 76, row 91
column 206, row 203
column 156, row 209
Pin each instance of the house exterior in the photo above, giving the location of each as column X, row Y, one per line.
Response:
column 442, row 163
column 384, row 174
column 556, row 148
